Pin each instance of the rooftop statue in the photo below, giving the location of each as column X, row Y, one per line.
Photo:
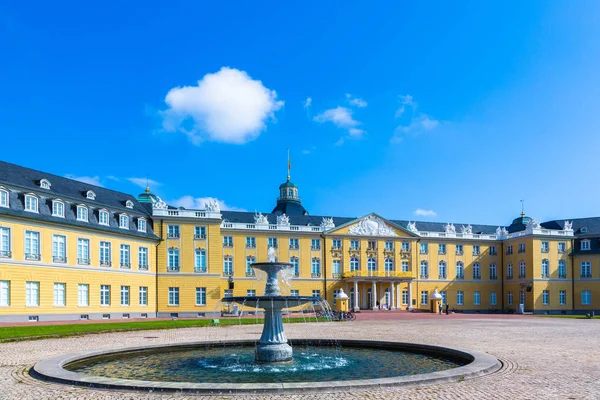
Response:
column 212, row 205
column 327, row 223
column 412, row 226
column 450, row 228
column 466, row 229
column 568, row 226
column 283, row 219
column 260, row 219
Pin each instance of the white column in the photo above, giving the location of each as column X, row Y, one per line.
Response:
column 356, row 303
column 374, row 299
column 399, row 297
column 410, row 307
column 392, row 302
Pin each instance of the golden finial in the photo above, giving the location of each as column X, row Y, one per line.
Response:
column 289, row 165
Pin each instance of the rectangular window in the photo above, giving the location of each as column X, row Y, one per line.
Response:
column 82, row 213
column 405, row 246
column 492, row 298
column 31, row 203
column 105, row 256
column 389, row 245
column 476, row 298
column 250, row 242
column 545, row 297
column 562, row 247
column 476, row 250
column 173, row 231
column 295, row 293
column 337, row 268
column 509, row 271
column 443, row 293
column 294, row 244
column 250, row 293
column 371, row 245
column 105, row 295
column 123, row 221
column 227, row 241
column 200, row 232
column 586, row 269
column 510, row 298
column 4, row 293
column 143, row 296
column 173, row 260
column 173, row 296
column 585, row 245
column 125, row 256
column 441, row 249
column 59, row 249
column 3, row 198
column 545, row 268
column 316, row 293
column 562, row 269
column 336, row 244
column 103, row 217
column 493, row 272
column 200, row 296
column 200, row 261
column 423, row 248
column 509, row 249
column 59, row 294
column 32, row 294
column 143, row 258
column 228, row 265
column 545, row 247
column 58, row 209
column 405, row 297
column 315, row 244
column 249, row 261
column 228, row 293
column 522, row 269
column 460, row 270
column 476, row 271
column 424, row 297
column 521, row 247
column 83, row 251
column 296, row 264
column 522, row 296
column 562, row 297
column 354, row 244
column 460, row 295
column 315, row 268
column 141, row 225
column 586, row 297
column 459, row 249
column 5, row 242
column 272, row 242
column 83, row 295
column 124, row 295
column 32, row 245
column 493, row 251
column 405, row 266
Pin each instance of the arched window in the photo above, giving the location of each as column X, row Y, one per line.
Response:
column 58, row 208
column 90, row 195
column 31, row 203
column 290, row 193
column 371, row 264
column 123, row 221
column 129, row 204
column 45, row 184
column 103, row 217
column 82, row 213
column 4, row 197
column 354, row 264
column 424, row 272
column 442, row 270
column 388, row 264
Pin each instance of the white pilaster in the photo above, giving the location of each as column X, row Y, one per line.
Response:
column 392, row 302
column 356, row 303
column 410, row 307
column 374, row 296
column 399, row 297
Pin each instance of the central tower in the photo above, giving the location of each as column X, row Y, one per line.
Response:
column 289, row 202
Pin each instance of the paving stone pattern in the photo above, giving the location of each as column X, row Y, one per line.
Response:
column 543, row 358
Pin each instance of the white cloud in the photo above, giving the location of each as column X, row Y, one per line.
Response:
column 227, row 106
column 356, row 133
column 405, row 101
column 307, row 103
column 419, row 124
column 356, row 101
column 339, row 116
column 425, row 213
column 92, row 180
column 143, row 182
column 199, row 203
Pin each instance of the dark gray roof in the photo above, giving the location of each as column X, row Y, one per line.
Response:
column 20, row 181
column 581, row 226
column 440, row 227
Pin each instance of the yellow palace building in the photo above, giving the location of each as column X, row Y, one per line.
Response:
column 70, row 250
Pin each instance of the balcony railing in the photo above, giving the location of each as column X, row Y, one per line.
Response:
column 442, row 276
column 476, row 277
column 493, row 277
column 460, row 276
column 143, row 267
column 354, row 248
column 200, row 270
column 83, row 261
column 521, row 250
column 545, row 276
column 172, row 235
column 296, row 274
column 562, row 276
column 372, row 248
column 353, row 274
column 227, row 273
column 336, row 275
column 5, row 254
column 405, row 250
column 459, row 252
column 250, row 245
column 476, row 253
column 441, row 252
column 104, row 263
column 423, row 251
column 294, row 247
column 545, row 250
column 509, row 276
column 336, row 248
column 173, row 268
column 200, row 237
column 521, row 276
column 315, row 248
column 126, row 265
column 59, row 259
column 32, row 256
column 315, row 275
column 388, row 249
column 509, row 252
column 493, row 253
column 561, row 251
column 250, row 273
column 586, row 275
column 229, row 244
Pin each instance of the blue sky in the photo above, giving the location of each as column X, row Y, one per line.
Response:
column 457, row 109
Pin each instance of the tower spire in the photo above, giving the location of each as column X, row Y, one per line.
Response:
column 522, row 208
column 289, row 165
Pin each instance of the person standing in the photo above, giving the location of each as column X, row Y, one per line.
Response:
column 440, row 308
column 447, row 308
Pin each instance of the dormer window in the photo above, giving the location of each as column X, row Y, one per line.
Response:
column 3, row 197
column 45, row 184
column 585, row 245
column 90, row 195
column 141, row 225
column 31, row 203
column 58, row 208
column 584, row 229
column 82, row 213
column 123, row 221
column 103, row 216
column 129, row 204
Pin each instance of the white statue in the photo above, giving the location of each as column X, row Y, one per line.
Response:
column 283, row 219
column 271, row 255
column 260, row 219
column 501, row 232
column 371, row 226
column 327, row 223
column 533, row 224
column 412, row 226
column 450, row 228
column 159, row 204
column 212, row 205
column 568, row 226
column 466, row 229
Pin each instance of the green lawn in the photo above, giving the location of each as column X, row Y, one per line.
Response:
column 566, row 316
column 48, row 331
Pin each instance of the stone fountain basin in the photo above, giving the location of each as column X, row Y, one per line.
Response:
column 277, row 302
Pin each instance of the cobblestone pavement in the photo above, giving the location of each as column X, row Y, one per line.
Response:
column 543, row 358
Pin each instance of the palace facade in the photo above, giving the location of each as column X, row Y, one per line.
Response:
column 70, row 250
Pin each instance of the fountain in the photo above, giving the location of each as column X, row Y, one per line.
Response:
column 273, row 345
column 243, row 366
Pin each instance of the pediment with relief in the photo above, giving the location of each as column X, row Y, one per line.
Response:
column 371, row 226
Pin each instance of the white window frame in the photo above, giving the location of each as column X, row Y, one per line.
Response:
column 82, row 213
column 460, row 298
column 123, row 221
column 585, row 269
column 354, row 264
column 546, row 297
column 125, row 256
column 460, row 270
column 586, row 297
column 423, row 269
column 104, row 217
column 83, row 295
column 142, row 225
column 371, row 264
column 509, row 297
column 32, row 294
column 31, row 203
column 476, row 298
column 4, row 197
column 105, row 295
column 125, row 296
column 493, row 298
column 201, row 296
column 562, row 297
column 4, row 293
column 174, row 296
column 173, row 260
column 424, row 297
column 34, row 237
column 200, row 261
column 585, row 245
column 143, row 296
column 129, row 204
column 58, row 208
column 90, row 195
column 45, row 184
column 59, row 248
column 60, row 294
column 296, row 264
column 315, row 267
column 5, row 242
column 105, row 256
column 337, row 267
column 228, row 265
column 143, row 256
